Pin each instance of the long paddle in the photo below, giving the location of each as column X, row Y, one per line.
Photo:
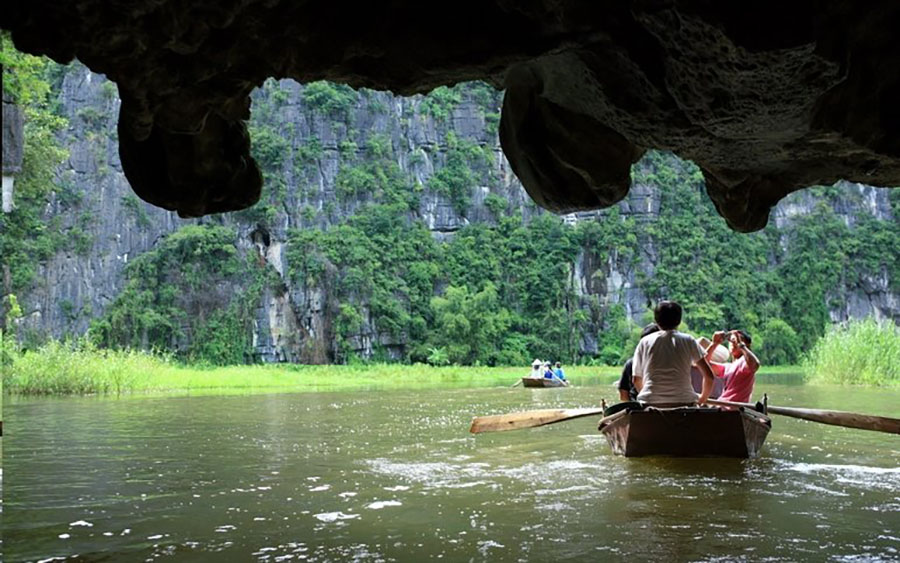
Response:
column 532, row 419
column 837, row 418
column 527, row 419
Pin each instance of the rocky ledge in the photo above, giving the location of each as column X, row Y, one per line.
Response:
column 766, row 97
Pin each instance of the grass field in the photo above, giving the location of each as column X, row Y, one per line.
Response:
column 59, row 369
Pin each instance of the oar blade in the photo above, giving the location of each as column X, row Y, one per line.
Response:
column 835, row 418
column 845, row 419
column 527, row 419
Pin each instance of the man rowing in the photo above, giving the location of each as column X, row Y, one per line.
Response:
column 661, row 367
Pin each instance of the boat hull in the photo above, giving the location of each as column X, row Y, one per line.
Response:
column 686, row 432
column 542, row 382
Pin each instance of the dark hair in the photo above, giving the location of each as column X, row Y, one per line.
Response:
column 745, row 336
column 667, row 315
column 558, row 364
column 649, row 329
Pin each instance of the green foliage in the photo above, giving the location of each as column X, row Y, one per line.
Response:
column 177, row 292
column 382, row 260
column 486, row 96
column 375, row 177
column 731, row 280
column 777, row 344
column 110, row 90
column 468, row 326
column 136, row 209
column 24, row 76
column 712, row 271
column 440, row 103
column 860, row 352
column 330, row 99
column 268, row 147
column 26, row 237
column 490, row 294
column 79, row 368
column 438, row 357
column 309, row 152
column 76, row 367
column 347, row 149
column 496, row 204
column 92, row 117
column 492, row 123
column 457, row 177
column 223, row 339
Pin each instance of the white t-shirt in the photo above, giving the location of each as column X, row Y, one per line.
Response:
column 664, row 360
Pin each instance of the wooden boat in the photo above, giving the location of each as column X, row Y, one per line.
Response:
column 686, row 432
column 542, row 382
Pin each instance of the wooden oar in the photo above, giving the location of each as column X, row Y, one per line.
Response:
column 837, row 418
column 527, row 419
column 519, row 382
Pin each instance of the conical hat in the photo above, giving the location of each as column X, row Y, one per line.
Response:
column 720, row 354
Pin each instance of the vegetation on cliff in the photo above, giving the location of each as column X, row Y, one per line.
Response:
column 26, row 238
column 508, row 284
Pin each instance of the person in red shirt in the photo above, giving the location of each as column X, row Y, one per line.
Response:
column 739, row 374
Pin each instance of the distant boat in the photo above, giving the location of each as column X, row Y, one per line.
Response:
column 686, row 432
column 543, row 382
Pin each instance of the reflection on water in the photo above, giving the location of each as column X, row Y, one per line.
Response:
column 394, row 476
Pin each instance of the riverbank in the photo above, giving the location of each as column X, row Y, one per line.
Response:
column 60, row 370
column 121, row 373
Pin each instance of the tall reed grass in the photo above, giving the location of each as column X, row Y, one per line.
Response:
column 78, row 367
column 861, row 352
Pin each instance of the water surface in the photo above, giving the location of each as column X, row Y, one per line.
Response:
column 395, row 476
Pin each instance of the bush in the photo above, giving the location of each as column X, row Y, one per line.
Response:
column 331, row 99
column 861, row 352
column 440, row 103
column 612, row 356
column 777, row 344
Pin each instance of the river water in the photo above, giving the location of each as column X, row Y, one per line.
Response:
column 395, row 476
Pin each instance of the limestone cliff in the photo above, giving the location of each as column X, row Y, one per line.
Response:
column 305, row 144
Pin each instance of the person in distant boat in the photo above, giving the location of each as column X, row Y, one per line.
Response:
column 548, row 371
column 740, row 374
column 536, row 371
column 551, row 375
column 627, row 392
column 559, row 373
column 661, row 367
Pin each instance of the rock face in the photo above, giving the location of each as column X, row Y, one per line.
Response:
column 767, row 98
column 294, row 321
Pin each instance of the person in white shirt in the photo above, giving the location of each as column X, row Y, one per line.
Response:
column 662, row 362
column 536, row 371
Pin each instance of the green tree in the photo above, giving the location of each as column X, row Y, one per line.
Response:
column 469, row 326
column 778, row 343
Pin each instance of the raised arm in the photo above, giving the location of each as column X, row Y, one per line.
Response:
column 718, row 338
column 749, row 356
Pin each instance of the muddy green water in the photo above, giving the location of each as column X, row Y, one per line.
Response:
column 395, row 476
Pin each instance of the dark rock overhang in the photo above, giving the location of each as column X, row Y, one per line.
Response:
column 766, row 97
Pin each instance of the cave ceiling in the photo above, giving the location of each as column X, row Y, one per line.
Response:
column 765, row 97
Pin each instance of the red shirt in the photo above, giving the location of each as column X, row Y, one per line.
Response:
column 739, row 379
